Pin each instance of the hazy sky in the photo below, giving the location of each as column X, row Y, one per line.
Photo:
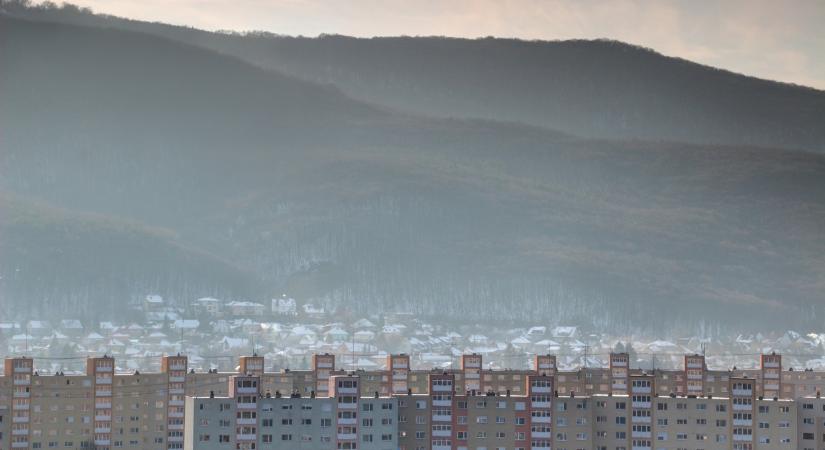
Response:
column 776, row 39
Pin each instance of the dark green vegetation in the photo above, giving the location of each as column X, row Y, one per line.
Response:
column 156, row 155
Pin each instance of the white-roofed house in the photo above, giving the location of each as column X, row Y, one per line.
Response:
column 245, row 309
column 71, row 327
column 284, row 306
column 208, row 306
column 153, row 303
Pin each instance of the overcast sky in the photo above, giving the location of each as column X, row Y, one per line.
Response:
column 776, row 39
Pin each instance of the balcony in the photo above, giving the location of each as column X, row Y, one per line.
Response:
column 20, row 445
column 771, row 386
column 176, row 403
column 177, row 379
column 742, row 422
column 770, row 364
column 324, row 365
column 175, row 439
column 694, row 376
column 742, row 392
column 347, row 390
column 399, row 376
column 771, row 375
column 23, row 382
column 19, row 419
column 176, row 391
column 103, row 405
column 22, row 370
column 246, row 437
column 347, row 421
column 618, row 363
column 641, row 434
column 442, row 433
column 619, row 386
column 640, row 447
column 21, row 394
column 246, row 406
column 175, row 426
column 472, row 376
column 103, row 380
column 103, row 393
column 346, row 436
column 443, row 447
column 24, row 432
column 176, row 414
column 442, row 418
column 442, row 388
column 101, row 430
column 442, row 402
column 246, row 390
column 742, row 407
column 103, row 369
column 541, row 389
column 20, row 407
column 246, row 421
column 742, row 437
column 640, row 419
column 694, row 365
column 106, row 442
column 347, row 405
column 641, row 389
column 541, row 404
column 541, row 419
column 541, row 434
column 103, row 418
column 641, row 405
column 178, row 367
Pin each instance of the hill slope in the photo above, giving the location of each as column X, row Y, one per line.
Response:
column 596, row 89
column 56, row 263
column 368, row 209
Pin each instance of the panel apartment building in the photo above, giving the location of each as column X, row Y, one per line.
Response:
column 469, row 407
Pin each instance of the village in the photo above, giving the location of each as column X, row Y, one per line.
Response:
column 214, row 333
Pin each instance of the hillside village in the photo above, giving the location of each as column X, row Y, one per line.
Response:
column 214, row 333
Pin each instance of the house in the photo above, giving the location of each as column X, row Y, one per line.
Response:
column 245, row 309
column 152, row 303
column 314, row 311
column 284, row 306
column 186, row 325
column 39, row 328
column 208, row 306
column 364, row 324
column 71, row 327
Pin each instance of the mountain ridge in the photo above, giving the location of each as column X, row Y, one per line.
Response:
column 596, row 89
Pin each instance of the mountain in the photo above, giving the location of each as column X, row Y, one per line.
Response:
column 598, row 89
column 281, row 184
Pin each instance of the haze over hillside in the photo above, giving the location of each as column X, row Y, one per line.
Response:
column 602, row 89
column 245, row 182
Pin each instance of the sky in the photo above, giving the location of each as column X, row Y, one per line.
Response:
column 779, row 40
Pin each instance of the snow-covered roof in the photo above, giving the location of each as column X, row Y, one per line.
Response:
column 71, row 324
column 186, row 324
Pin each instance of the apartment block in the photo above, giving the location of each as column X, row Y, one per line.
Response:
column 468, row 408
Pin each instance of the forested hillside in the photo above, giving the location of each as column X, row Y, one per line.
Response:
column 265, row 183
column 601, row 89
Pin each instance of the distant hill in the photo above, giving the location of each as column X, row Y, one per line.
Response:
column 601, row 89
column 279, row 183
column 56, row 263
